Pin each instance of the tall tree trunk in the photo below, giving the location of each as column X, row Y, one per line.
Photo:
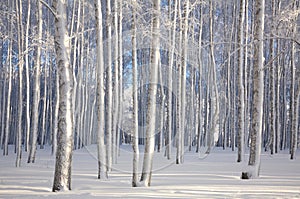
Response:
column 120, row 46
column 184, row 60
column 258, row 85
column 272, row 120
column 108, row 90
column 200, row 106
column 20, row 103
column 294, row 108
column 116, row 84
column 135, row 133
column 241, row 95
column 179, row 90
column 27, row 68
column 9, row 89
column 150, row 129
column 214, row 104
column 102, row 169
column 63, row 164
column 36, row 90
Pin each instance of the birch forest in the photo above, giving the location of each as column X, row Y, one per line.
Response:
column 163, row 76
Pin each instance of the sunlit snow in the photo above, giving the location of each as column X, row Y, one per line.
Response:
column 214, row 176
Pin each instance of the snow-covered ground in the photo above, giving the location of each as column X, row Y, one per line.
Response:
column 214, row 176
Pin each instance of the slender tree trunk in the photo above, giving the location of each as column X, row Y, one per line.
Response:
column 108, row 90
column 20, row 103
column 241, row 95
column 214, row 105
column 9, row 89
column 43, row 126
column 135, row 134
column 200, row 106
column 272, row 120
column 294, row 93
column 258, row 85
column 55, row 116
column 184, row 60
column 179, row 90
column 27, row 67
column 63, row 164
column 150, row 129
column 116, row 84
column 120, row 74
column 102, row 169
column 36, row 90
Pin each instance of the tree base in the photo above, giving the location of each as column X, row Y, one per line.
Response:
column 246, row 175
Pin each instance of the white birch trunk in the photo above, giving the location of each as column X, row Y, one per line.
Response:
column 200, row 106
column 170, row 77
column 108, row 90
column 55, row 116
column 184, row 60
column 116, row 85
column 150, row 129
column 36, row 90
column 27, row 77
column 120, row 74
column 135, row 133
column 258, row 85
column 241, row 93
column 20, row 102
column 9, row 90
column 63, row 164
column 102, row 170
column 294, row 93
column 179, row 90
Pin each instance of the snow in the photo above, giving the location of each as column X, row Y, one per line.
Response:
column 216, row 175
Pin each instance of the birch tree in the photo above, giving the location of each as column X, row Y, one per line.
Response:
column 116, row 85
column 102, row 169
column 150, row 122
column 294, row 93
column 36, row 90
column 20, row 103
column 108, row 90
column 241, row 96
column 258, row 85
column 135, row 133
column 9, row 88
column 172, row 35
column 27, row 76
column 63, row 163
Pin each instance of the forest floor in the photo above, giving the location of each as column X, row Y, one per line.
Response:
column 216, row 175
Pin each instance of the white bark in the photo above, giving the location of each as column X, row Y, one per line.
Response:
column 184, row 60
column 258, row 85
column 102, row 170
column 20, row 102
column 170, row 78
column 55, row 116
column 108, row 90
column 116, row 84
column 27, row 77
column 178, row 99
column 120, row 74
column 241, row 93
column 62, row 175
column 9, row 90
column 150, row 129
column 294, row 93
column 36, row 90
column 135, row 133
